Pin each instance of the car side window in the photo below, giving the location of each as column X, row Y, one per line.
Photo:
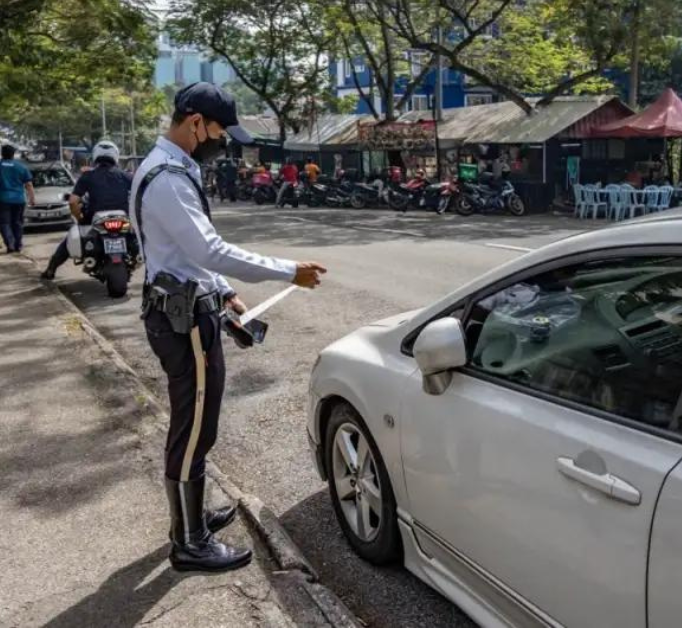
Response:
column 606, row 334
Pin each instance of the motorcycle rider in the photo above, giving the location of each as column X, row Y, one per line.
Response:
column 107, row 188
column 289, row 176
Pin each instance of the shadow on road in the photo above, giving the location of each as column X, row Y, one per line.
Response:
column 122, row 600
column 302, row 229
column 386, row 597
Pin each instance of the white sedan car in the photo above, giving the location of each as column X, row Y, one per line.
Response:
column 518, row 443
column 53, row 184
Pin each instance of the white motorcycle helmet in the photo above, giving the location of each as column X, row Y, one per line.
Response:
column 105, row 150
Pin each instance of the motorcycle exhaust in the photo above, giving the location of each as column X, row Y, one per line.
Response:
column 89, row 263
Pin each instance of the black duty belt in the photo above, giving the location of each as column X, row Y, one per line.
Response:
column 208, row 303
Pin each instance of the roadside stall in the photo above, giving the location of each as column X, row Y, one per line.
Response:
column 542, row 151
column 415, row 142
column 267, row 146
column 332, row 140
column 657, row 127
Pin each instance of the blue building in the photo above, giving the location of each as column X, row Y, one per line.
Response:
column 458, row 90
column 182, row 65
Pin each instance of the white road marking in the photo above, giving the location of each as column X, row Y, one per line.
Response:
column 509, row 247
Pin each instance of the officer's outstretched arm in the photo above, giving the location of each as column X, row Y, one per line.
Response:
column 177, row 210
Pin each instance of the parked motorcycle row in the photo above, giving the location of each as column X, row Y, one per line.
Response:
column 485, row 196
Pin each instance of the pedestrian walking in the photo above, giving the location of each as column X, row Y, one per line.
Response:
column 15, row 186
column 185, row 290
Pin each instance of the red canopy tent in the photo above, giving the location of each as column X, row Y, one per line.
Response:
column 662, row 118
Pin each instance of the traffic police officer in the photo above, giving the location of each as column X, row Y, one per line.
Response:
column 184, row 292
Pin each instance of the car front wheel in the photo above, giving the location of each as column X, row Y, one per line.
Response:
column 360, row 488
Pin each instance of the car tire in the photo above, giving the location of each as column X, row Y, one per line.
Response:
column 363, row 498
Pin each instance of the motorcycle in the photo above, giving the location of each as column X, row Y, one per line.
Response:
column 449, row 192
column 489, row 195
column 244, row 190
column 107, row 249
column 405, row 195
column 339, row 193
column 292, row 194
column 314, row 194
column 264, row 189
column 372, row 194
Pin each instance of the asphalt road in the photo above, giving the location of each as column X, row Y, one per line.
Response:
column 380, row 263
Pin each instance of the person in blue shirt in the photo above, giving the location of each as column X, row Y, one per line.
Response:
column 15, row 184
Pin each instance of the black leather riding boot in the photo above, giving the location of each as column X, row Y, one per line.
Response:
column 215, row 519
column 194, row 546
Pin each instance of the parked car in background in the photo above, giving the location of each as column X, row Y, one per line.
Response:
column 518, row 444
column 53, row 184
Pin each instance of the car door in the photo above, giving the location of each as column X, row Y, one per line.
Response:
column 532, row 480
column 664, row 601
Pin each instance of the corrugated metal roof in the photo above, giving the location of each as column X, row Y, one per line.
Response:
column 260, row 127
column 506, row 123
column 329, row 129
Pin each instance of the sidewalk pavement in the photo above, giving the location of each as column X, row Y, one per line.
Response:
column 84, row 525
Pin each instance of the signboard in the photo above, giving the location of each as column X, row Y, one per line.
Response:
column 407, row 136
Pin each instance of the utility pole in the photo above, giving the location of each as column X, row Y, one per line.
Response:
column 133, row 142
column 61, row 146
column 104, row 118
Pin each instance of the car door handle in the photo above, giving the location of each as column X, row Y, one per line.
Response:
column 605, row 483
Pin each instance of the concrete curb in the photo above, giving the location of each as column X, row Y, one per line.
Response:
column 263, row 520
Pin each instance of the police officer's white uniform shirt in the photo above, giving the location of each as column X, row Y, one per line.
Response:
column 180, row 239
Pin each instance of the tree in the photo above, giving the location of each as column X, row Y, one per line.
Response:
column 597, row 27
column 364, row 30
column 248, row 101
column 655, row 27
column 80, row 121
column 276, row 48
column 533, row 51
column 56, row 51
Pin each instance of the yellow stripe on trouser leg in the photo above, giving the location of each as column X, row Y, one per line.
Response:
column 200, row 361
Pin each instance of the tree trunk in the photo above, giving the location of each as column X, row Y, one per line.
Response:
column 634, row 58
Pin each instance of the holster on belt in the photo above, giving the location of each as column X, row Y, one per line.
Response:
column 172, row 297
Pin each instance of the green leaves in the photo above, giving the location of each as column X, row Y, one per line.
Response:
column 55, row 51
column 277, row 48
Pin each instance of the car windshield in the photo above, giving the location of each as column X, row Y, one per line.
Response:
column 53, row 177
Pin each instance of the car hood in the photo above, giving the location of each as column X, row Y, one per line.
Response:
column 50, row 195
column 395, row 321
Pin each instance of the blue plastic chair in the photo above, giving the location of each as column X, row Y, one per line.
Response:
column 615, row 201
column 651, row 194
column 592, row 202
column 665, row 196
column 630, row 203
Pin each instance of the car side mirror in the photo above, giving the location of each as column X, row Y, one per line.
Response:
column 439, row 348
column 67, row 196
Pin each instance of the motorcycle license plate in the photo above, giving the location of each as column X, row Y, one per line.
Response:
column 115, row 245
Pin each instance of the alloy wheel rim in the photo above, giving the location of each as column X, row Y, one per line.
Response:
column 357, row 482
